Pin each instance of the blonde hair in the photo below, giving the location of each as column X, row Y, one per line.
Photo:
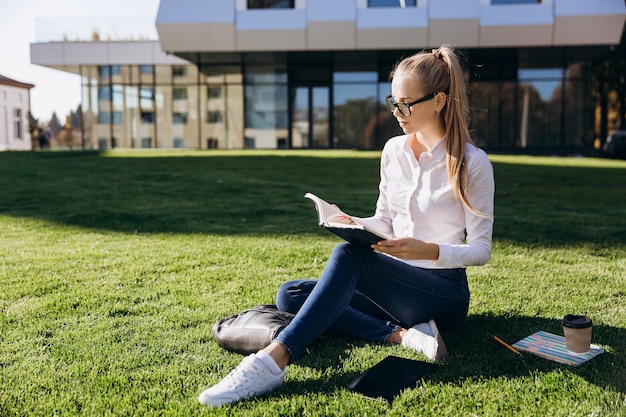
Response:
column 440, row 71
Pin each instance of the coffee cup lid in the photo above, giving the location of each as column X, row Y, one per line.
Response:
column 576, row 322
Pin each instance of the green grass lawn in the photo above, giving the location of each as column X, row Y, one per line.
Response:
column 114, row 267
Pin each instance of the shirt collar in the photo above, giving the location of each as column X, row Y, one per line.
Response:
column 438, row 152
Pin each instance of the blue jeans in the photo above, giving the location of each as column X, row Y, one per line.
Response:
column 368, row 295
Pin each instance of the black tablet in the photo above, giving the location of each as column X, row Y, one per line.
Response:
column 390, row 376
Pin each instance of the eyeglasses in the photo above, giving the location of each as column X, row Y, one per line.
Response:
column 405, row 108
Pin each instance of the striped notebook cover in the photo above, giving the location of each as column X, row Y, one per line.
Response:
column 551, row 346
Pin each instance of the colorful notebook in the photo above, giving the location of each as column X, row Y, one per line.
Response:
column 552, row 346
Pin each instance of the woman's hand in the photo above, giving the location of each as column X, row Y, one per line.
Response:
column 408, row 248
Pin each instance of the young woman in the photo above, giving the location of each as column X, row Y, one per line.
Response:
column 436, row 198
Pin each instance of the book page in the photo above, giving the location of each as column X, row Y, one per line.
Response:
column 328, row 212
column 372, row 223
column 330, row 215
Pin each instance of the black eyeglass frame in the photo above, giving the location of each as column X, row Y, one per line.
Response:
column 393, row 105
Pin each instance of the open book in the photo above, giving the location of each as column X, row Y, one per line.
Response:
column 352, row 229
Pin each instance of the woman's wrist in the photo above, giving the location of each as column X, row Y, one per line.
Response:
column 433, row 252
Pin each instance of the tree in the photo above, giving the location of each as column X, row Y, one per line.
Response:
column 75, row 117
column 76, row 120
column 66, row 135
column 54, row 124
column 33, row 128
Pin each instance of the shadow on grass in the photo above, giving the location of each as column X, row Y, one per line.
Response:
column 221, row 194
column 254, row 193
column 475, row 355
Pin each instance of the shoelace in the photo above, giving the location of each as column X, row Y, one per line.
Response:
column 241, row 375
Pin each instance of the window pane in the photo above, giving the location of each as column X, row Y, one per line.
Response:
column 514, row 1
column 104, row 72
column 214, row 116
column 214, row 92
column 355, row 107
column 132, row 97
column 17, row 123
column 352, row 77
column 494, row 114
column 540, row 74
column 179, row 71
column 320, row 116
column 300, row 118
column 266, row 106
column 390, row 3
column 146, row 95
column 103, row 143
column 578, row 126
column 117, row 117
column 270, row 4
column 147, row 117
column 104, row 93
column 146, row 142
column 179, row 118
column 104, row 117
column 540, row 106
column 179, row 93
column 118, row 97
column 146, row 69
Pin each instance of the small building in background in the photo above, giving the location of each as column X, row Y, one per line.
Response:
column 14, row 110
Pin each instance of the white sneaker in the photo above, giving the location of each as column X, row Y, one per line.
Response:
column 425, row 338
column 250, row 378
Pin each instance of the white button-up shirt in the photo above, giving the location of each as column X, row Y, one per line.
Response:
column 416, row 200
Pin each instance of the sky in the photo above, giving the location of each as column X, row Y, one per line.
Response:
column 54, row 90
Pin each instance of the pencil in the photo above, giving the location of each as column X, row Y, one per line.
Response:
column 506, row 345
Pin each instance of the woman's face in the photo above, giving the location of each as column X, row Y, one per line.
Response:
column 406, row 89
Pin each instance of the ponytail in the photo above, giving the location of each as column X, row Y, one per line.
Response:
column 440, row 71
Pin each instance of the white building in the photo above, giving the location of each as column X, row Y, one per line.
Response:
column 314, row 73
column 14, row 109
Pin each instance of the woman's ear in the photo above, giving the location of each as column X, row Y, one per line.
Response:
column 440, row 101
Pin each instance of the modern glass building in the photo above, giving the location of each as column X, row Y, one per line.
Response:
column 314, row 73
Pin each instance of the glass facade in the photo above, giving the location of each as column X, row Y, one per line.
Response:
column 328, row 100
